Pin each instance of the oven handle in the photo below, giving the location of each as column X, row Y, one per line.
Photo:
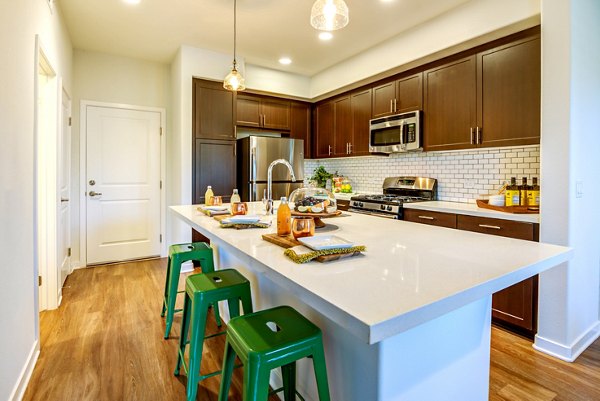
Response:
column 378, row 214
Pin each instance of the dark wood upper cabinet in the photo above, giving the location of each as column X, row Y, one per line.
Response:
column 214, row 164
column 450, row 104
column 342, row 126
column 383, row 99
column 324, row 130
column 300, row 125
column 508, row 101
column 263, row 112
column 404, row 94
column 248, row 111
column 213, row 109
column 489, row 99
column 409, row 95
column 361, row 114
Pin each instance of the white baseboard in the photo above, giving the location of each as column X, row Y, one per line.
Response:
column 76, row 265
column 23, row 381
column 570, row 352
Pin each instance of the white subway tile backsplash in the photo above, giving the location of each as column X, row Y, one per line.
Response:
column 462, row 175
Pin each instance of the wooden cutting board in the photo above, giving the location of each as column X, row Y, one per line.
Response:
column 289, row 242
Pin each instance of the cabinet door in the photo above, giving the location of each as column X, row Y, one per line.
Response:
column 361, row 114
column 275, row 114
column 450, row 105
column 410, row 93
column 342, row 126
column 300, row 125
column 509, row 85
column 324, row 127
column 383, row 99
column 214, row 164
column 516, row 305
column 431, row 218
column 248, row 111
column 213, row 111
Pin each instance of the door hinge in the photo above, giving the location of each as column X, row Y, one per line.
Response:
column 39, row 281
column 160, row 184
column 160, row 237
column 69, row 252
column 161, row 131
column 70, row 121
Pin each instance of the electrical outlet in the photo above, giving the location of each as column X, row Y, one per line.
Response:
column 469, row 183
column 579, row 189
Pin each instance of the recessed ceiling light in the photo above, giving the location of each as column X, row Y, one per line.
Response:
column 285, row 60
column 325, row 35
column 132, row 1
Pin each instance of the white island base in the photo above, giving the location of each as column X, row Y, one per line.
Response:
column 446, row 358
column 410, row 320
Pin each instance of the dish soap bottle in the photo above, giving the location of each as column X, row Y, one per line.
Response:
column 235, row 198
column 208, row 196
column 284, row 218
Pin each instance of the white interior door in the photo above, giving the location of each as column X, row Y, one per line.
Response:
column 64, row 189
column 123, row 183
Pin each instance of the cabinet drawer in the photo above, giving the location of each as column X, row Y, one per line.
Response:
column 431, row 218
column 503, row 228
column 342, row 204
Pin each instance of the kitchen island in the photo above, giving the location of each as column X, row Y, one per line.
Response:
column 408, row 320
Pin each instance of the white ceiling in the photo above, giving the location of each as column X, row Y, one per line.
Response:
column 267, row 29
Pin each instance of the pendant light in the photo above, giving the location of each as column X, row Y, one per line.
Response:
column 234, row 80
column 329, row 15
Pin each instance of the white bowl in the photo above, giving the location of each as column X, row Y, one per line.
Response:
column 496, row 200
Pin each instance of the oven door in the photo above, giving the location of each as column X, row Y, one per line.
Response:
column 374, row 213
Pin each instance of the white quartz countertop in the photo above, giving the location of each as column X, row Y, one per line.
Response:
column 410, row 273
column 471, row 210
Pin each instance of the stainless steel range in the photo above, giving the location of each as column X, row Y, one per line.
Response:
column 396, row 192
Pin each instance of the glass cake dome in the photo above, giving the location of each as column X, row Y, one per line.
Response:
column 312, row 200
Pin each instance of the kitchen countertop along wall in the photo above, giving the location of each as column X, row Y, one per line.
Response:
column 463, row 176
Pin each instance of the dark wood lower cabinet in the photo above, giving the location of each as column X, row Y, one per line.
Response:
column 214, row 164
column 515, row 307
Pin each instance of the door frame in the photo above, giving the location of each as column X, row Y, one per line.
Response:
column 65, row 99
column 83, row 170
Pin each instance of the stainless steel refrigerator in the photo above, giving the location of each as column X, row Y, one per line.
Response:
column 255, row 154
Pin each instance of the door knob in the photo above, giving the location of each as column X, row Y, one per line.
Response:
column 93, row 193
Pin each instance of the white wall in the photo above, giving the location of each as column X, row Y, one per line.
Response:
column 112, row 79
column 471, row 20
column 266, row 79
column 19, row 23
column 568, row 315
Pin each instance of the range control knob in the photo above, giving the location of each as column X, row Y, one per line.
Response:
column 360, row 204
column 382, row 207
column 389, row 208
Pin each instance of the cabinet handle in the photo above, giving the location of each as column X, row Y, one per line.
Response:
column 264, row 120
column 391, row 105
column 346, row 147
column 492, row 227
column 395, row 105
column 478, row 135
column 329, row 150
column 472, row 143
column 349, row 148
column 427, row 217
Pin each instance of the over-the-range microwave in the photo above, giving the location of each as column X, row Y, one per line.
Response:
column 397, row 133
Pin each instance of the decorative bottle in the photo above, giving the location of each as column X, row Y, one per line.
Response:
column 208, row 196
column 284, row 218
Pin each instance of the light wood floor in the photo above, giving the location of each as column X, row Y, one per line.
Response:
column 105, row 343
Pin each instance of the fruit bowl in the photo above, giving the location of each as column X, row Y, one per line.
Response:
column 313, row 201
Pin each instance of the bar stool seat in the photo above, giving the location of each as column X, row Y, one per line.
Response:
column 202, row 291
column 199, row 252
column 269, row 339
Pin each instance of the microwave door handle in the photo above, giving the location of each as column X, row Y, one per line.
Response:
column 402, row 134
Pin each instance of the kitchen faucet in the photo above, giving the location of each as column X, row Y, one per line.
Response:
column 269, row 199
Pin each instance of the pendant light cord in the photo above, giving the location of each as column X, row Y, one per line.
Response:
column 234, row 30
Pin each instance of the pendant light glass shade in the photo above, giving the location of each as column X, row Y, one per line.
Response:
column 234, row 80
column 329, row 15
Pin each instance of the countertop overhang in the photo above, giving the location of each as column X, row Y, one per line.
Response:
column 410, row 274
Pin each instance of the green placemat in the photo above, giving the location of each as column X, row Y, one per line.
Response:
column 302, row 254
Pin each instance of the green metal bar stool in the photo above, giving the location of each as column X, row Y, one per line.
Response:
column 269, row 339
column 178, row 254
column 202, row 291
